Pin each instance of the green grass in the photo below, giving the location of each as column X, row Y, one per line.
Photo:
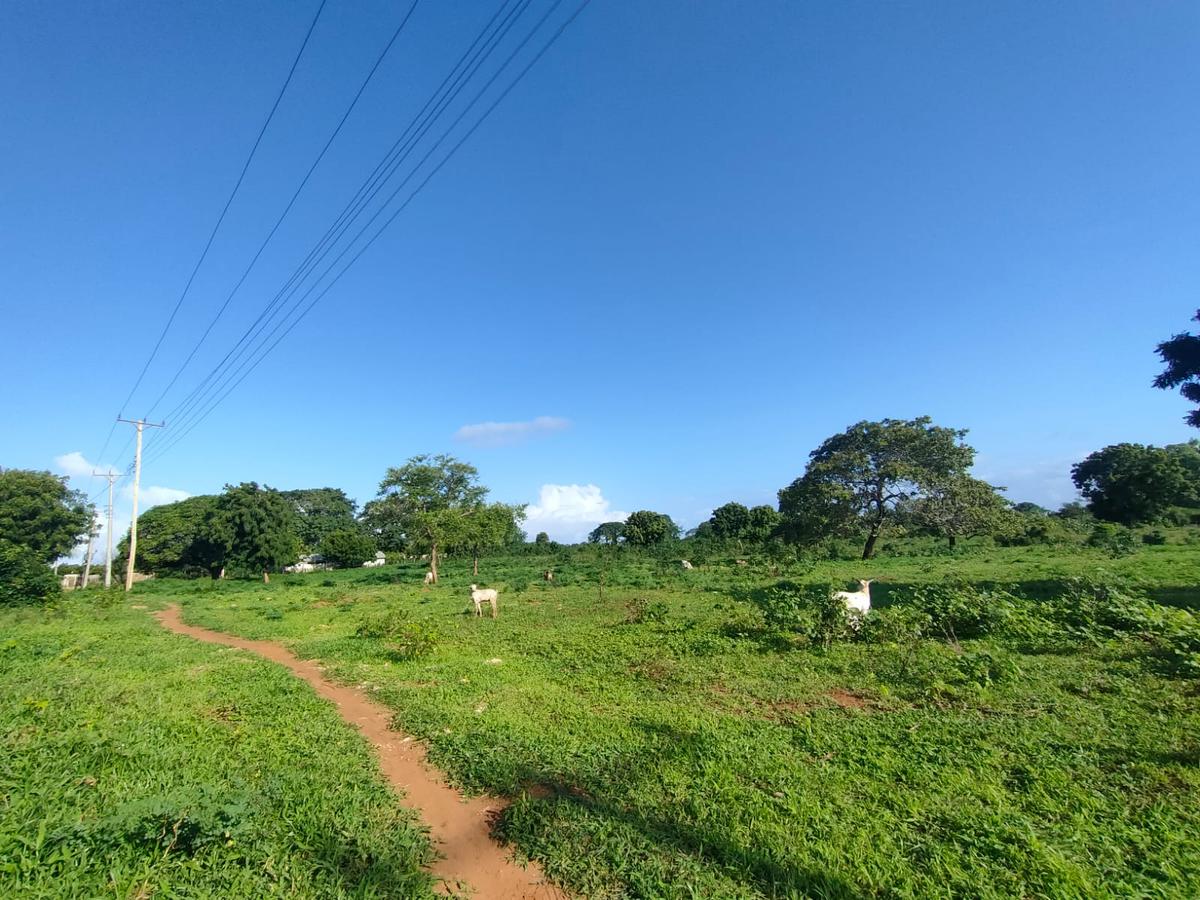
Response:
column 700, row 757
column 691, row 754
column 137, row 763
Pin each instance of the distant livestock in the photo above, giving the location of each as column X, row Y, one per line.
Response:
column 859, row 601
column 429, row 578
column 488, row 595
column 299, row 568
column 686, row 564
column 547, row 575
column 373, row 563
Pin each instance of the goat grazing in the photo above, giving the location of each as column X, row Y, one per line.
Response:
column 488, row 595
column 548, row 575
column 858, row 601
column 429, row 578
column 686, row 564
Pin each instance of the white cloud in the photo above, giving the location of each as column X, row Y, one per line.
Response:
column 499, row 434
column 567, row 512
column 75, row 465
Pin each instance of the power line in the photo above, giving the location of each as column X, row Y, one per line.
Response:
column 221, row 217
column 283, row 215
column 536, row 58
column 452, row 85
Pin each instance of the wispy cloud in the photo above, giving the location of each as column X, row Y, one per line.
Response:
column 499, row 434
column 567, row 512
column 75, row 464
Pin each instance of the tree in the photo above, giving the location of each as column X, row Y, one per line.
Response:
column 764, row 521
column 39, row 512
column 24, row 576
column 256, row 527
column 855, row 479
column 320, row 512
column 542, row 539
column 646, row 528
column 177, row 539
column 962, row 506
column 428, row 500
column 348, row 548
column 1181, row 354
column 607, row 533
column 1135, row 484
column 493, row 526
column 729, row 522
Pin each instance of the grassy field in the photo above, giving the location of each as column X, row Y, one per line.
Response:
column 659, row 741
column 136, row 763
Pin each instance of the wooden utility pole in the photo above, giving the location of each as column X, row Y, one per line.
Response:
column 137, row 478
column 111, row 476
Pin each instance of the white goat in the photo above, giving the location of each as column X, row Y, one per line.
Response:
column 487, row 595
column 429, row 578
column 373, row 563
column 548, row 575
column 686, row 564
column 859, row 601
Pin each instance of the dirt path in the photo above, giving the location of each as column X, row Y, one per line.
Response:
column 471, row 861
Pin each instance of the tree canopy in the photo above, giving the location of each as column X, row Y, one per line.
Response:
column 1136, row 484
column 348, row 548
column 855, row 479
column 320, row 512
column 1181, row 354
column 177, row 539
column 962, row 506
column 607, row 533
column 736, row 522
column 646, row 528
column 256, row 527
column 39, row 512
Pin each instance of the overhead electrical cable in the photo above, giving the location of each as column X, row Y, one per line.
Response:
column 461, row 73
column 292, row 202
column 429, row 176
column 221, row 218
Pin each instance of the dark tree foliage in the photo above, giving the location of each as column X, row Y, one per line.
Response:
column 177, row 539
column 348, row 548
column 542, row 539
column 38, row 511
column 646, row 528
column 734, row 522
column 856, row 479
column 729, row 522
column 256, row 526
column 24, row 576
column 320, row 512
column 1181, row 354
column 1135, row 484
column 607, row 533
column 963, row 506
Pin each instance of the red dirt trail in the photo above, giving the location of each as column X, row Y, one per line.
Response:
column 471, row 862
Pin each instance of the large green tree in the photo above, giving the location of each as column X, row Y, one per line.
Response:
column 320, row 512
column 646, row 528
column 736, row 522
column 428, row 500
column 1135, row 484
column 177, row 539
column 1181, row 354
column 607, row 533
column 348, row 548
column 855, row 480
column 492, row 526
column 39, row 512
column 962, row 506
column 256, row 527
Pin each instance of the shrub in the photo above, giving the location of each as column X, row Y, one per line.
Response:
column 901, row 625
column 1154, row 538
column 1115, row 540
column 384, row 623
column 809, row 610
column 413, row 639
column 1106, row 607
column 24, row 577
column 961, row 610
column 348, row 549
column 639, row 610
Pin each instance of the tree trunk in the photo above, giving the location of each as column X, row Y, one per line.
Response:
column 953, row 539
column 869, row 550
column 266, row 577
column 477, row 563
column 433, row 562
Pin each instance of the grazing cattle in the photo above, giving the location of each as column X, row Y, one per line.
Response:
column 488, row 595
column 858, row 602
column 373, row 563
column 686, row 564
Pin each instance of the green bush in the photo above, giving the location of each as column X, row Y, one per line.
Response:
column 348, row 549
column 900, row 625
column 1154, row 538
column 24, row 578
column 961, row 610
column 639, row 610
column 413, row 639
column 1115, row 540
column 808, row 610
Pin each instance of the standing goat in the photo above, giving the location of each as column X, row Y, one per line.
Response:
column 860, row 600
column 487, row 595
column 429, row 578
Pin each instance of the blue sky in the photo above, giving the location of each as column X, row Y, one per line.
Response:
column 696, row 240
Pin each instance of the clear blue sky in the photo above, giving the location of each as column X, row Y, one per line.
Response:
column 708, row 235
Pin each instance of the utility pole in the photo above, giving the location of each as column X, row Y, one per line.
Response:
column 137, row 478
column 87, row 559
column 111, row 476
